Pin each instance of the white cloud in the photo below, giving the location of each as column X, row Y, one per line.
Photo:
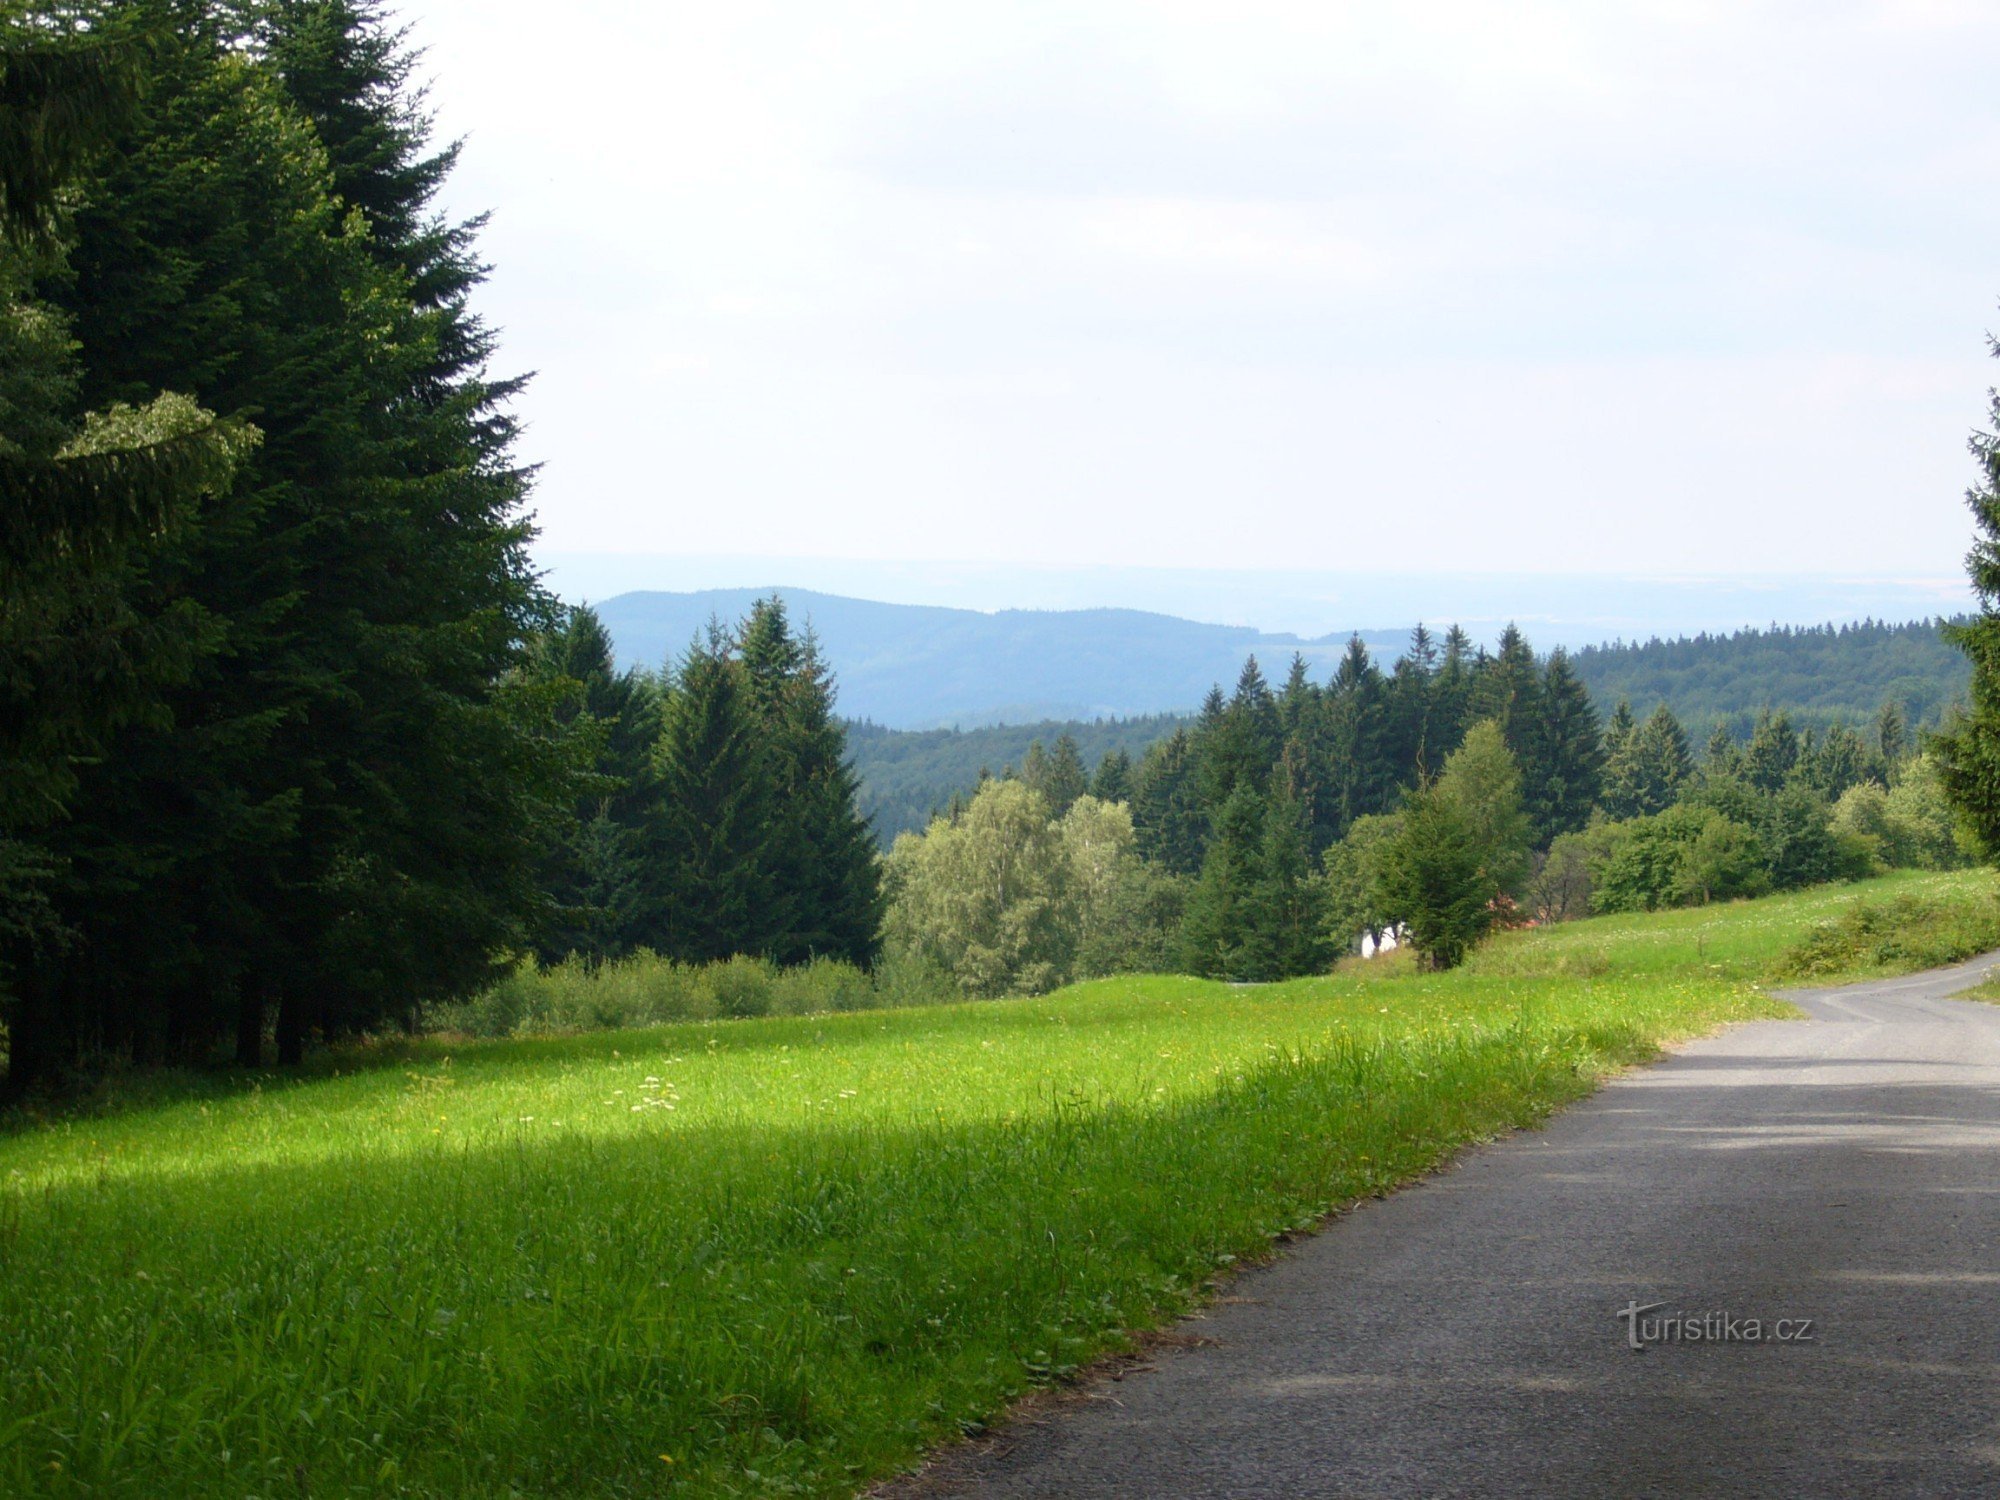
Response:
column 1210, row 285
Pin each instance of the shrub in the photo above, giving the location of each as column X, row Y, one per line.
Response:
column 647, row 990
column 1905, row 932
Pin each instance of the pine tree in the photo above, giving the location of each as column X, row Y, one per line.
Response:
column 1431, row 882
column 1360, row 776
column 1296, row 699
column 1773, row 752
column 1288, row 902
column 1619, row 793
column 1723, row 757
column 719, row 892
column 597, row 878
column 842, row 895
column 1224, row 932
column 1451, row 696
column 1113, row 781
column 1661, row 760
column 1967, row 752
column 1062, row 779
column 1411, row 708
column 1240, row 745
column 1573, row 754
column 1168, row 819
column 1509, row 692
column 1891, row 733
column 1838, row 761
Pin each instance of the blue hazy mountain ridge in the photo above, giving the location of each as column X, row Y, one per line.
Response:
column 910, row 666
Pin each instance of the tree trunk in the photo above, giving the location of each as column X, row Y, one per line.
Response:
column 33, row 1034
column 250, row 1026
column 291, row 1030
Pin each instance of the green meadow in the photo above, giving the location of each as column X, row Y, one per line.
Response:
column 767, row 1257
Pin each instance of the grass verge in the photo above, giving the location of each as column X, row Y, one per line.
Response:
column 756, row 1257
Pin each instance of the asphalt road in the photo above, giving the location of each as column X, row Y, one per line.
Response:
column 1463, row 1337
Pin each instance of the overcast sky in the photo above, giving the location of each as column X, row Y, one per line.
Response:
column 1634, row 287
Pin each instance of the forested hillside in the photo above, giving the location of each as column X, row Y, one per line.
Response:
column 907, row 775
column 1820, row 675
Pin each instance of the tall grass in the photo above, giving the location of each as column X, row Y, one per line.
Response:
column 647, row 990
column 744, row 1257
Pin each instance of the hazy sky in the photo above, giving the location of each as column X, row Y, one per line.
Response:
column 1675, row 287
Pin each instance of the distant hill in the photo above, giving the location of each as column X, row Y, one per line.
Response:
column 908, row 774
column 938, row 693
column 910, row 666
column 1817, row 673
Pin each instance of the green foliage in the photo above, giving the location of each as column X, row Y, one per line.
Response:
column 1113, row 781
column 1226, row 932
column 339, row 797
column 1822, row 674
column 644, row 989
column 65, row 92
column 1482, row 781
column 1562, row 885
column 1433, row 880
column 1901, row 933
column 1571, row 757
column 1168, row 818
column 1006, row 899
column 909, row 776
column 1354, row 887
column 1649, row 767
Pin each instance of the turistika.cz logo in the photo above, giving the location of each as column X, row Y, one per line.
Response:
column 1707, row 1328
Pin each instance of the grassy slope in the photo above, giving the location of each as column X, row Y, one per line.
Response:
column 762, row 1257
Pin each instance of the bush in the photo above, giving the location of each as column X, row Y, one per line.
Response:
column 1905, row 932
column 742, row 987
column 647, row 990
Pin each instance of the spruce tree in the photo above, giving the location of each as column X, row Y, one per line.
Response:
column 1572, row 750
column 1619, row 792
column 1289, row 902
column 1967, row 752
column 1891, row 733
column 597, row 877
column 719, row 890
column 839, row 907
column 1169, row 822
column 1773, row 751
column 1061, row 780
column 1411, row 708
column 1296, row 699
column 1451, row 697
column 1660, row 762
column 1431, row 882
column 1509, row 691
column 1225, row 933
column 1239, row 745
column 1114, row 780
column 1360, row 777
column 1723, row 756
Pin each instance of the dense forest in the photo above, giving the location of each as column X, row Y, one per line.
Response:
column 906, row 775
column 1460, row 789
column 292, row 742
column 294, row 745
column 1821, row 675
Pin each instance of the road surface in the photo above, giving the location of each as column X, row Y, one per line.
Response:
column 1464, row 1336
